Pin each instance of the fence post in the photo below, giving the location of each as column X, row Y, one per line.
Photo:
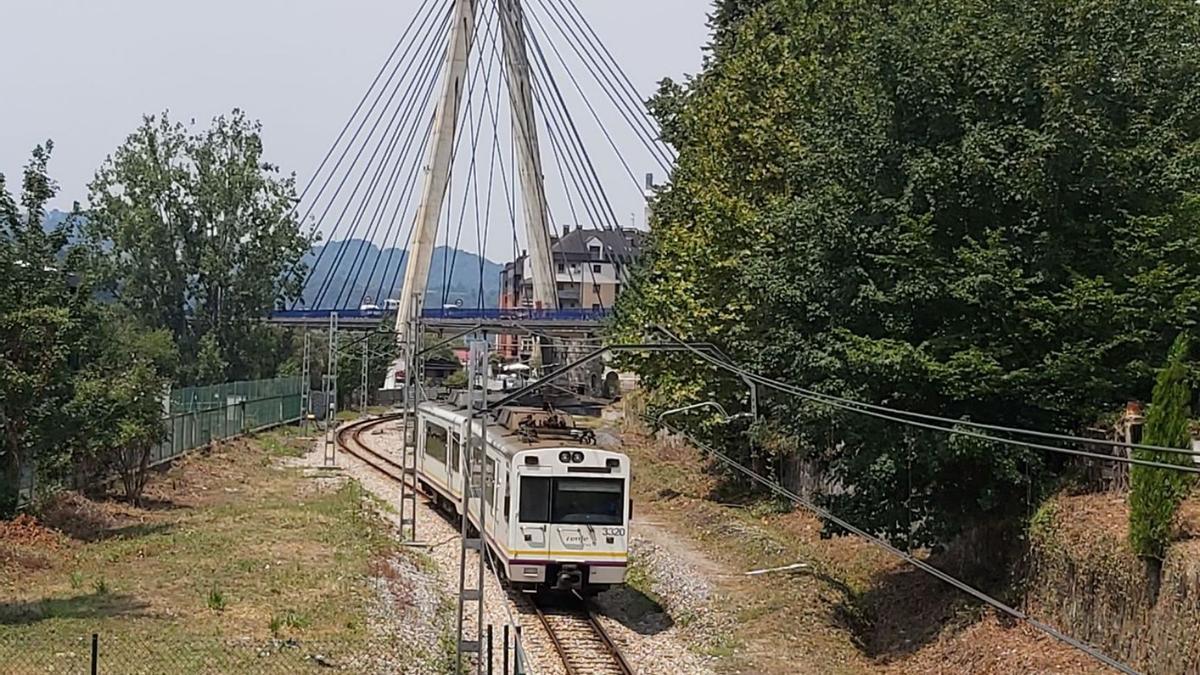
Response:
column 505, row 667
column 95, row 653
column 489, row 650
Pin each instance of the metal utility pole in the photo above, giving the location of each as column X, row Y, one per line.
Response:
column 306, row 380
column 408, row 455
column 474, row 469
column 525, row 137
column 331, row 393
column 366, row 361
column 437, row 164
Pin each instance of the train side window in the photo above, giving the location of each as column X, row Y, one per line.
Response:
column 535, row 500
column 455, row 442
column 435, row 442
column 507, row 500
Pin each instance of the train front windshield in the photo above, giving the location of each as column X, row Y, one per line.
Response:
column 572, row 501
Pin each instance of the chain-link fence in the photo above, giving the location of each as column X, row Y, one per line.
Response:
column 200, row 415
column 167, row 651
column 157, row 655
column 197, row 416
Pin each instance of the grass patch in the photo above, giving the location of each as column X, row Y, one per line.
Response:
column 239, row 552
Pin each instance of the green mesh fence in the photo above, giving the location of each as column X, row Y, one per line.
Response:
column 199, row 415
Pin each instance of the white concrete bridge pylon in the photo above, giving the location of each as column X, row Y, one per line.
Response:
column 438, row 163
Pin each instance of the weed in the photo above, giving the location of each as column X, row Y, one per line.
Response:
column 289, row 619
column 216, row 600
column 100, row 586
column 76, row 580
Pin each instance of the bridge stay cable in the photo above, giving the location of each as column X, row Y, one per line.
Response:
column 350, row 201
column 358, row 155
column 606, row 85
column 406, row 105
column 426, row 5
column 591, row 38
column 582, row 162
column 411, row 122
column 423, row 30
column 472, row 178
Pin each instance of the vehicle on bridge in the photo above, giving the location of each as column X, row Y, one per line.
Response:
column 557, row 508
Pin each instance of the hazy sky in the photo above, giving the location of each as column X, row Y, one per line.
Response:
column 82, row 72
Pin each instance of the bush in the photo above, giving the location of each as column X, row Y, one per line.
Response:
column 1156, row 493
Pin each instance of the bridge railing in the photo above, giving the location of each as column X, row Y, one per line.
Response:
column 517, row 314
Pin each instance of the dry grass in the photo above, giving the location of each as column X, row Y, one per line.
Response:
column 853, row 609
column 232, row 556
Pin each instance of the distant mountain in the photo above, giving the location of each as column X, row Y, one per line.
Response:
column 346, row 284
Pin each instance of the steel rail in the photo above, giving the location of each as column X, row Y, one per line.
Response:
column 582, row 611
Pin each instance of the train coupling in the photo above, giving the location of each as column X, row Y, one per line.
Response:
column 570, row 578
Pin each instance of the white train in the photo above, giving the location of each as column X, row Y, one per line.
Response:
column 557, row 509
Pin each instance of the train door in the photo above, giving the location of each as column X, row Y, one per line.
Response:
column 455, row 467
column 499, row 523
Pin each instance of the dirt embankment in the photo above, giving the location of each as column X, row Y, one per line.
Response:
column 1084, row 578
column 838, row 605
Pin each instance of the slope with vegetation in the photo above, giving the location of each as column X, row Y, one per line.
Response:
column 974, row 209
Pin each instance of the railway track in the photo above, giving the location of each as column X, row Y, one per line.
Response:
column 349, row 439
column 577, row 636
column 581, row 642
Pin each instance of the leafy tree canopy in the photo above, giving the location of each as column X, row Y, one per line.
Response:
column 197, row 234
column 986, row 210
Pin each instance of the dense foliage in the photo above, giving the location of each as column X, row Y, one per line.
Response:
column 1155, row 493
column 199, row 237
column 985, row 210
column 80, row 383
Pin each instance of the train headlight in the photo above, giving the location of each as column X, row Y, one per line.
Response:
column 577, row 457
column 564, row 457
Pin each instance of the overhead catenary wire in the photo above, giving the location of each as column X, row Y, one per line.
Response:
column 856, row 407
column 903, row 555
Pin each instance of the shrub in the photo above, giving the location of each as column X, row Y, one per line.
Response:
column 1156, row 493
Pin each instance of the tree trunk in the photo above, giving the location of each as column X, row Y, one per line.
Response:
column 1154, row 570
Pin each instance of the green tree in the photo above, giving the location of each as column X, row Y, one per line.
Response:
column 118, row 401
column 44, row 328
column 976, row 209
column 198, row 236
column 1155, row 493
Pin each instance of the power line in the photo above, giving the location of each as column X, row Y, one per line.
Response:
column 903, row 555
column 856, row 407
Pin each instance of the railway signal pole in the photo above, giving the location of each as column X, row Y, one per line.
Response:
column 306, row 381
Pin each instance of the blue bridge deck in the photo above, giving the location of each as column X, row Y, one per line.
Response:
column 369, row 318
